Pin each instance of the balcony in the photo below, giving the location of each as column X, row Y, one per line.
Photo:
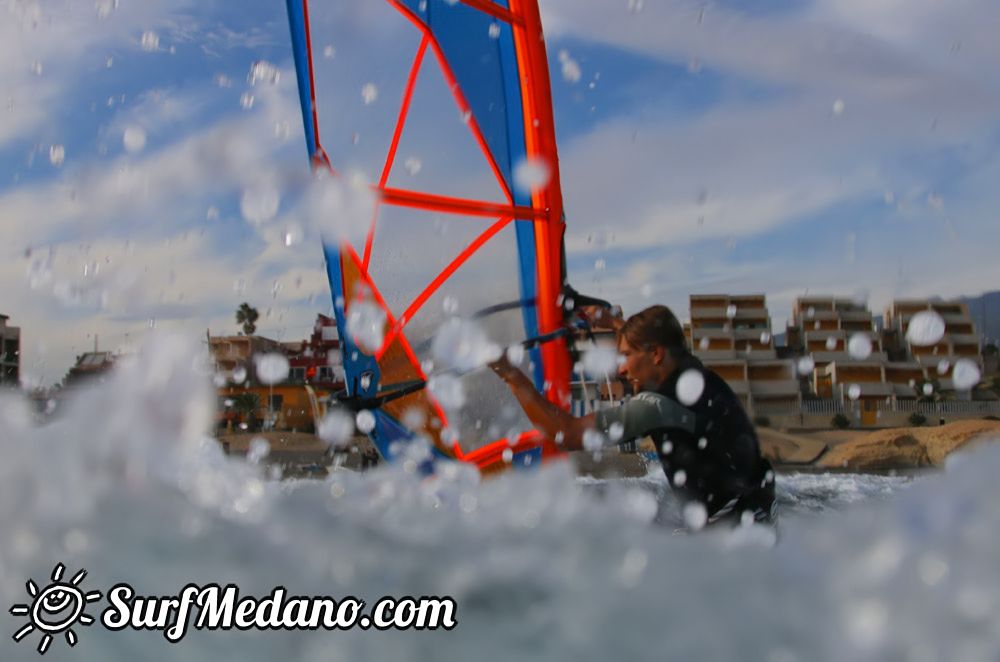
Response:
column 755, row 355
column 739, row 386
column 722, row 313
column 715, row 354
column 868, row 389
column 752, row 334
column 697, row 333
column 855, row 316
column 964, row 339
column 771, row 388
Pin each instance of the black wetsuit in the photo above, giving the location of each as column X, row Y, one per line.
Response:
column 709, row 448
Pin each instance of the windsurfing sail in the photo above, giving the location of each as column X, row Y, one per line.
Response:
column 444, row 107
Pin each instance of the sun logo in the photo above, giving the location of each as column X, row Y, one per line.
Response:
column 56, row 609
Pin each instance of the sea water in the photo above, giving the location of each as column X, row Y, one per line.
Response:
column 542, row 564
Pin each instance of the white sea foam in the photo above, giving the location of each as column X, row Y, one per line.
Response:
column 127, row 484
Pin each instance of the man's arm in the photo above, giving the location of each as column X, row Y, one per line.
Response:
column 544, row 415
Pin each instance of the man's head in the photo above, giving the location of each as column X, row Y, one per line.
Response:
column 650, row 342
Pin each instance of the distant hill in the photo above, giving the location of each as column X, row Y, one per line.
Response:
column 985, row 312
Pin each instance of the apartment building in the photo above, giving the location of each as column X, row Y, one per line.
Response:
column 10, row 353
column 959, row 341
column 731, row 334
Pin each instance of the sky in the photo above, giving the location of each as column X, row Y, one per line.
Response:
column 152, row 177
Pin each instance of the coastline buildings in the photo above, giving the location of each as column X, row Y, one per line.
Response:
column 732, row 336
column 293, row 403
column 10, row 353
column 837, row 359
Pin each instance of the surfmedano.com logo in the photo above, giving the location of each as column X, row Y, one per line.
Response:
column 55, row 609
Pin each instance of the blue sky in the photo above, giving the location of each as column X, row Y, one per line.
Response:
column 840, row 147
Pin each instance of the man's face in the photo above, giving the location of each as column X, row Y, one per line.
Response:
column 639, row 366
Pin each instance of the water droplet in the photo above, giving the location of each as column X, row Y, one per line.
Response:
column 447, row 390
column 369, row 93
column 859, row 346
column 239, row 375
column 854, row 391
column 615, row 431
column 515, row 354
column 703, row 344
column 259, row 449
column 943, row 366
column 450, row 305
column 635, row 6
column 263, row 71
column 695, row 515
column 570, row 68
column 680, row 478
column 463, row 345
column 365, row 421
column 412, row 165
column 703, row 443
column 531, row 174
column 925, row 328
column 838, row 106
column 293, row 235
column 282, row 130
column 593, row 440
column 600, row 362
column 246, row 101
column 928, row 389
column 329, row 52
column 57, row 154
column 150, row 41
column 667, row 448
column 260, row 203
column 366, row 324
column 765, row 337
column 105, row 7
column 271, row 368
column 134, row 139
column 507, row 455
column 646, row 290
column 36, row 68
column 494, row 30
column 805, row 366
column 690, row 385
column 965, row 375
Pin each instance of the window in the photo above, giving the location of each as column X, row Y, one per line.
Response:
column 297, row 374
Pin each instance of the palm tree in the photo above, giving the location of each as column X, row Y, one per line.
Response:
column 247, row 405
column 247, row 316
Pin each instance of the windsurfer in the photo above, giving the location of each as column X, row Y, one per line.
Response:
column 706, row 443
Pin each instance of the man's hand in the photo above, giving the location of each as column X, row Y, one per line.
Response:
column 600, row 317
